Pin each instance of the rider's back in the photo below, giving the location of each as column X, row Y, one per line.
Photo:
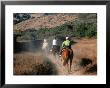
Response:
column 54, row 42
column 66, row 42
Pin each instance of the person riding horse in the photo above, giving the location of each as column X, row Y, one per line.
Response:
column 54, row 43
column 55, row 46
column 67, row 53
column 66, row 44
column 45, row 46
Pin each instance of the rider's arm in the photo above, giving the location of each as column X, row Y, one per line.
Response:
column 62, row 45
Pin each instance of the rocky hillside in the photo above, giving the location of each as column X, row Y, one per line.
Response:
column 44, row 21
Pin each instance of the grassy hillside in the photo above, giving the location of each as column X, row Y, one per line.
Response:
column 77, row 25
column 44, row 21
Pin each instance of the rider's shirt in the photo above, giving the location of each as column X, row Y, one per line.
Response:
column 66, row 43
column 54, row 42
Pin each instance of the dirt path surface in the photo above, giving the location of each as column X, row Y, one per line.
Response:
column 59, row 65
column 84, row 61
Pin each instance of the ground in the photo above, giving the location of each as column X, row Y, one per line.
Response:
column 84, row 61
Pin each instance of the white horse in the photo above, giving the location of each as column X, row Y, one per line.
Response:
column 45, row 46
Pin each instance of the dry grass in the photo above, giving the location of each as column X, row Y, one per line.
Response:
column 32, row 64
column 85, row 56
column 84, row 61
column 49, row 21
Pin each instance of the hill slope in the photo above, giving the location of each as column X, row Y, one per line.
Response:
column 40, row 26
column 44, row 21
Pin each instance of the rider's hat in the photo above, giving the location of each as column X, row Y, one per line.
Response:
column 67, row 37
column 45, row 40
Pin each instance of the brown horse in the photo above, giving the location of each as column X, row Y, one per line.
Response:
column 67, row 56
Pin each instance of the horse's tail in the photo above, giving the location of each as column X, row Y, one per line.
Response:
column 65, row 62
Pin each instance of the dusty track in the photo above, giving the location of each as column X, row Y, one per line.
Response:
column 85, row 51
column 84, row 61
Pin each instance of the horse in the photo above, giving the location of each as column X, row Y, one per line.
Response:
column 67, row 56
column 55, row 51
column 45, row 47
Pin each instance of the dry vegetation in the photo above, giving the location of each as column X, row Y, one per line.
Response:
column 32, row 64
column 85, row 56
column 85, row 50
column 49, row 21
column 84, row 61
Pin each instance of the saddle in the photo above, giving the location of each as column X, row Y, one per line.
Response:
column 70, row 50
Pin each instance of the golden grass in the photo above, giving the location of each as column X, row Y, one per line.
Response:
column 49, row 21
column 84, row 61
column 85, row 52
column 32, row 64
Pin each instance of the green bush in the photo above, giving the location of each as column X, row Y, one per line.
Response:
column 86, row 27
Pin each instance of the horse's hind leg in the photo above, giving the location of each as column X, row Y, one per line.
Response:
column 70, row 64
column 68, row 67
column 71, row 59
column 63, row 63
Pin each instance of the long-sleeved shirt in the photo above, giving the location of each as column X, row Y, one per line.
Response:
column 54, row 42
column 66, row 43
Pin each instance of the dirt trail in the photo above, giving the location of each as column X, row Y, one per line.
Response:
column 57, row 61
column 84, row 61
column 83, row 50
column 59, row 65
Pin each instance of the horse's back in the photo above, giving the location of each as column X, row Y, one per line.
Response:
column 67, row 54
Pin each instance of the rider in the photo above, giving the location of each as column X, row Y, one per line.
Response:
column 66, row 44
column 45, row 47
column 54, row 43
column 45, row 44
